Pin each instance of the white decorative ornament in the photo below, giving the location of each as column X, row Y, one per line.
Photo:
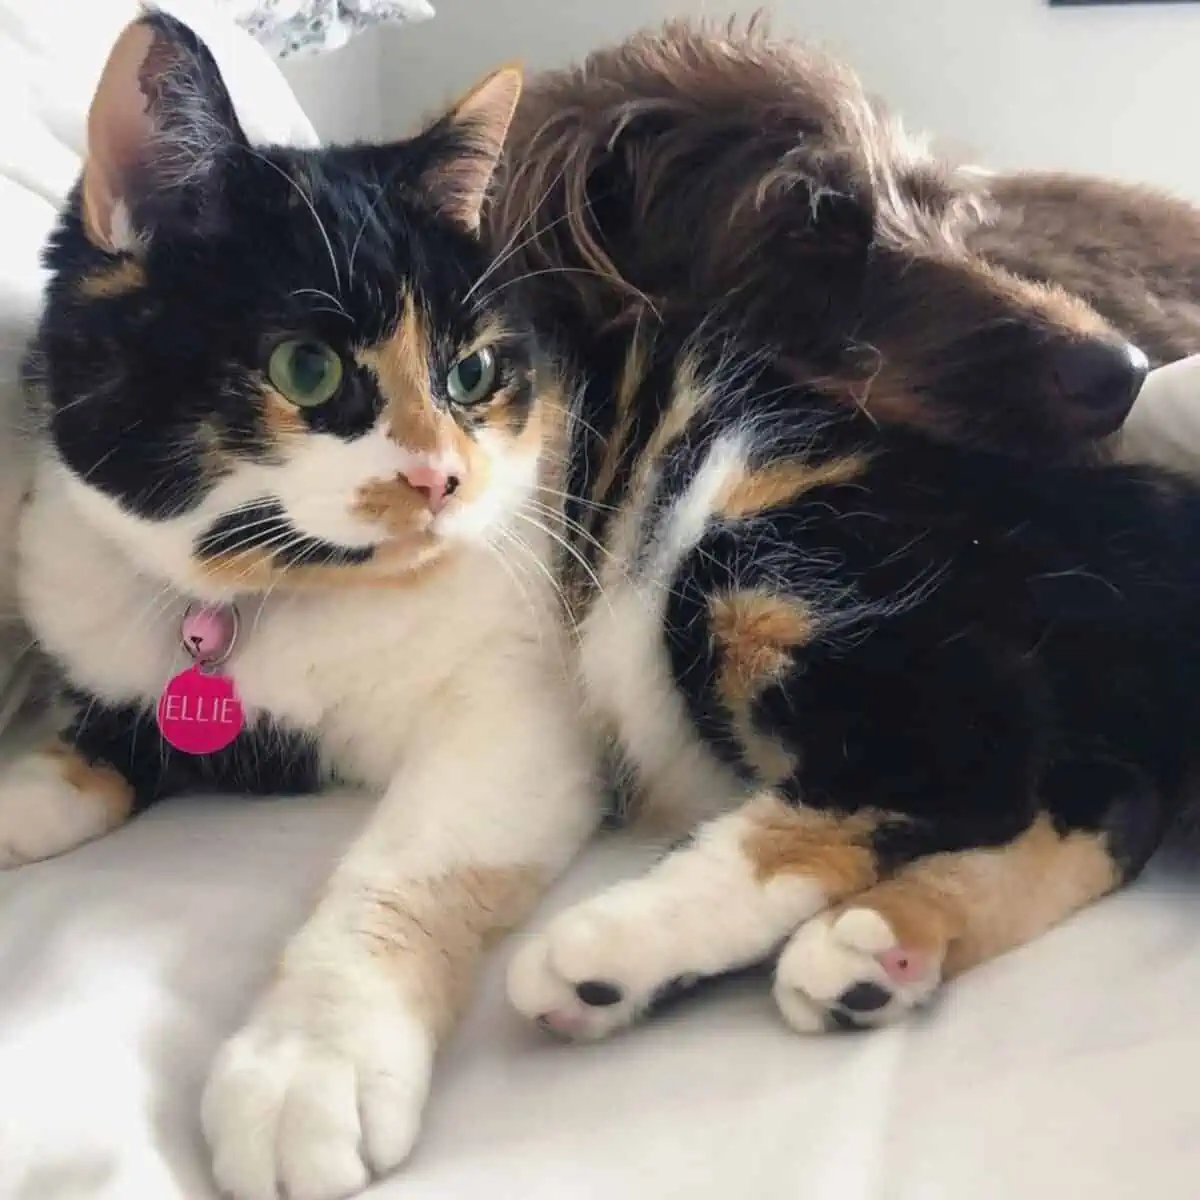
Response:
column 292, row 28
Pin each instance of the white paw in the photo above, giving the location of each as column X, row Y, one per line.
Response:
column 315, row 1096
column 43, row 814
column 593, row 970
column 849, row 971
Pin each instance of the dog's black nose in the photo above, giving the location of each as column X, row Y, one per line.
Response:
column 1098, row 382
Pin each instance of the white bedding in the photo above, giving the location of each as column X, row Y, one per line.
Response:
column 1066, row 1070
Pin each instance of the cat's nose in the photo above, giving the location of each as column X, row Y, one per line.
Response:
column 434, row 483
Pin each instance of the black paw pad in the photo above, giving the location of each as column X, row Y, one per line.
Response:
column 839, row 1021
column 864, row 998
column 597, row 993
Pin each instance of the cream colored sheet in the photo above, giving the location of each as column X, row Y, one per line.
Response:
column 1067, row 1070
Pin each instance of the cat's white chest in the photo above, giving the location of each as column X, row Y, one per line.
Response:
column 354, row 667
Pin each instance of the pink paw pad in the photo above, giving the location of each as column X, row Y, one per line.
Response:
column 904, row 966
column 563, row 1022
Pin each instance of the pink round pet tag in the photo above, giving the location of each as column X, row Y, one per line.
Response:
column 198, row 711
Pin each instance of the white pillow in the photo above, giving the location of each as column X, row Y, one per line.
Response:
column 308, row 27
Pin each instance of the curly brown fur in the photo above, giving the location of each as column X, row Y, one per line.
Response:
column 1131, row 252
column 737, row 180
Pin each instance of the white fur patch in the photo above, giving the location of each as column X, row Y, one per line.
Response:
column 701, row 911
column 828, row 956
column 321, row 1090
column 321, row 479
column 625, row 669
column 512, row 479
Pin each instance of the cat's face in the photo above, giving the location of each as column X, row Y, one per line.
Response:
column 283, row 366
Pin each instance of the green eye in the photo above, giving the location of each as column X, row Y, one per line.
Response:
column 473, row 378
column 306, row 373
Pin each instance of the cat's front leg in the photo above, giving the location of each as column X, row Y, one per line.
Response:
column 325, row 1085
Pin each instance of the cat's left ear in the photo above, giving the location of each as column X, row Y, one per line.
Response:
column 160, row 130
column 467, row 143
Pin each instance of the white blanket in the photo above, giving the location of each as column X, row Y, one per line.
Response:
column 1065, row 1070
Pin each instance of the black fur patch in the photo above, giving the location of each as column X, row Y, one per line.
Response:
column 265, row 525
column 265, row 759
column 993, row 638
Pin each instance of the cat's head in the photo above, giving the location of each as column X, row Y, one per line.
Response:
column 271, row 365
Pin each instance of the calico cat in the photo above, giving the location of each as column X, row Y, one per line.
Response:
column 294, row 435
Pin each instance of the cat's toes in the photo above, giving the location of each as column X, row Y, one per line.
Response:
column 586, row 975
column 848, row 970
column 314, row 1097
column 52, row 801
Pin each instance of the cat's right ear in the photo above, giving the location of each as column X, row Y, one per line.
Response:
column 160, row 131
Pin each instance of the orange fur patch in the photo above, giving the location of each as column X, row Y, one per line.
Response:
column 755, row 631
column 970, row 907
column 98, row 782
column 632, row 373
column 500, row 415
column 401, row 366
column 396, row 564
column 491, row 332
column 781, row 482
column 282, row 419
column 755, row 634
column 833, row 850
column 433, row 931
column 114, row 279
column 392, row 503
column 688, row 397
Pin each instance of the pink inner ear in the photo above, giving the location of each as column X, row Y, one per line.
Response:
column 482, row 119
column 120, row 133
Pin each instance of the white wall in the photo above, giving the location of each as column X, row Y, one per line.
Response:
column 1113, row 90
column 341, row 92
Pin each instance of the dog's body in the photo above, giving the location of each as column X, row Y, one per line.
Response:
column 1131, row 252
column 855, row 567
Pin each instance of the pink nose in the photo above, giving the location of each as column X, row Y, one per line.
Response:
column 435, row 484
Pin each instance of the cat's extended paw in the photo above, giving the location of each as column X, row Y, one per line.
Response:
column 52, row 801
column 315, row 1096
column 591, row 971
column 848, row 970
